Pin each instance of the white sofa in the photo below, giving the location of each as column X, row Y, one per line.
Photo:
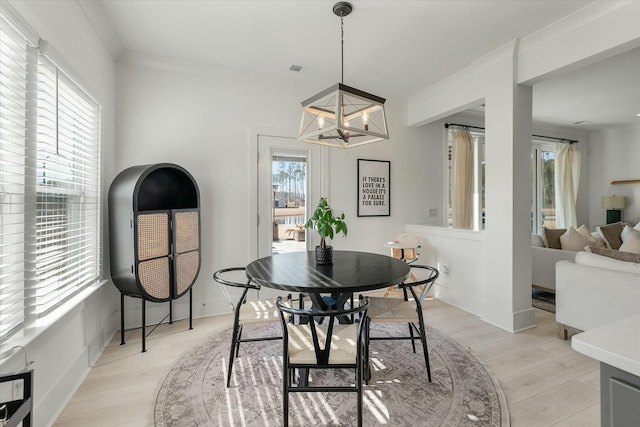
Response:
column 543, row 266
column 595, row 290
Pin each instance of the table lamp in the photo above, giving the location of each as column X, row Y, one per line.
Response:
column 613, row 205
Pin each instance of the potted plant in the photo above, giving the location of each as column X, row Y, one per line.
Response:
column 327, row 225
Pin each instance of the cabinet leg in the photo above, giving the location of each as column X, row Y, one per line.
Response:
column 190, row 309
column 144, row 322
column 171, row 312
column 121, row 318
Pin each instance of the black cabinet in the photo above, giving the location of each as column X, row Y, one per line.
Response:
column 154, row 230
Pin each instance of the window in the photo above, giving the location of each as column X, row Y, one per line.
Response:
column 476, row 169
column 14, row 53
column 543, row 206
column 50, row 181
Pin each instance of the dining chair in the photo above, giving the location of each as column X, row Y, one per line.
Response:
column 409, row 253
column 405, row 310
column 245, row 311
column 309, row 345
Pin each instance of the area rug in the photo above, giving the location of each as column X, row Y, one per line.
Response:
column 463, row 392
column 543, row 300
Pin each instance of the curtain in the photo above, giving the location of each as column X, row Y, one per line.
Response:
column 567, row 178
column 462, row 200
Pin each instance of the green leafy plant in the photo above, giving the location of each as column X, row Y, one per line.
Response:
column 326, row 223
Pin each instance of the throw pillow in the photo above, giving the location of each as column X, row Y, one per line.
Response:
column 552, row 237
column 631, row 245
column 610, row 233
column 536, row 240
column 594, row 237
column 611, row 253
column 586, row 233
column 627, row 231
column 571, row 240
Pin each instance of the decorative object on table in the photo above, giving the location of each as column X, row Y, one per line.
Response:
column 327, row 225
column 154, row 231
column 465, row 389
column 406, row 310
column 245, row 312
column 613, row 205
column 342, row 116
column 310, row 345
column 374, row 187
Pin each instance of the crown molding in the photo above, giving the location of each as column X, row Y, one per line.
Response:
column 99, row 19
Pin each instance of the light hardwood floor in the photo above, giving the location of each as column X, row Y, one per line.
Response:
column 545, row 382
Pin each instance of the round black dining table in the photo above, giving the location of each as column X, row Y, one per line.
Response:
column 350, row 272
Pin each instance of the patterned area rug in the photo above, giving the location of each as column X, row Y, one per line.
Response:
column 463, row 392
column 543, row 300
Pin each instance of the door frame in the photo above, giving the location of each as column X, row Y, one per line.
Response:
column 253, row 135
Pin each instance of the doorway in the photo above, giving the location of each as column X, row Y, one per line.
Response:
column 288, row 182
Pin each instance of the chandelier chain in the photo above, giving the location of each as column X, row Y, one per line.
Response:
column 342, row 47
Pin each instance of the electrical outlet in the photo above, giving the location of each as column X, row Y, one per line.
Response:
column 445, row 269
column 433, row 212
column 18, row 390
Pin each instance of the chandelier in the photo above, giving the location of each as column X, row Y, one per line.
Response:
column 343, row 116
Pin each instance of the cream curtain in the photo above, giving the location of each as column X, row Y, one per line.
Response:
column 462, row 185
column 567, row 178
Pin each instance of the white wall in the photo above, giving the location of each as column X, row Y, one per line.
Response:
column 614, row 156
column 63, row 350
column 198, row 118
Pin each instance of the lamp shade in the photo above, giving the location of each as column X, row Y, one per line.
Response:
column 613, row 202
column 342, row 116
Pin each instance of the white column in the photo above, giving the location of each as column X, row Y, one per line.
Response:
column 508, row 201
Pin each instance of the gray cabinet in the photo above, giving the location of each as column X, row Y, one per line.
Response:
column 619, row 397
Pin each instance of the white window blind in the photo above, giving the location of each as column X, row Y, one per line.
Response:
column 49, row 181
column 67, row 188
column 14, row 55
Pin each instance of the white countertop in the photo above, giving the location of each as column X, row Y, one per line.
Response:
column 616, row 344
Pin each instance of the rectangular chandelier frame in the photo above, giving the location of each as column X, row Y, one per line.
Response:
column 343, row 116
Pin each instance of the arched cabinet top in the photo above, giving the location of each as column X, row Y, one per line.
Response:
column 158, row 187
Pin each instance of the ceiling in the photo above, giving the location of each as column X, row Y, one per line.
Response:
column 392, row 48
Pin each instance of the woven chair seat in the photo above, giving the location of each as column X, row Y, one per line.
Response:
column 343, row 344
column 392, row 310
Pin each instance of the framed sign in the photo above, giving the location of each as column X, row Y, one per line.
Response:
column 374, row 187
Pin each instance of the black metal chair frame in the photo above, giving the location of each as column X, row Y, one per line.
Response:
column 236, row 336
column 322, row 354
column 419, row 329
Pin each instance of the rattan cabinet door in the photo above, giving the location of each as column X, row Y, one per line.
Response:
column 152, row 251
column 186, row 230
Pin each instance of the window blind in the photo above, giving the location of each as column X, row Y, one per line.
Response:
column 14, row 57
column 49, row 180
column 67, row 188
